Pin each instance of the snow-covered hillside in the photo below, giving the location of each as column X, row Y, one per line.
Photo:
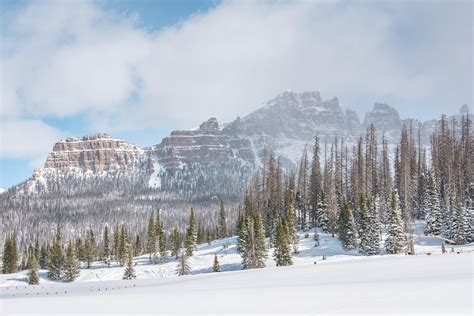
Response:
column 420, row 283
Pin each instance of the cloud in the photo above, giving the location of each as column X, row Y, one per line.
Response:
column 67, row 58
column 27, row 139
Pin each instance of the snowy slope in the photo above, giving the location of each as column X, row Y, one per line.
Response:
column 439, row 284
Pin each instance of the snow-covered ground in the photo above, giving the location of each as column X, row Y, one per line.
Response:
column 345, row 283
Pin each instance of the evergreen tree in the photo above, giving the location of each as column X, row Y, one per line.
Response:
column 322, row 213
column 116, row 243
column 460, row 225
column 222, row 222
column 216, row 267
column 281, row 253
column 6, row 259
column 175, row 243
column 129, row 273
column 160, row 235
column 395, row 239
column 71, row 264
column 106, row 245
column 122, row 251
column 254, row 253
column 291, row 220
column 432, row 209
column 56, row 257
column 137, row 249
column 151, row 238
column 43, row 261
column 183, row 265
column 347, row 228
column 191, row 235
column 369, row 233
column 33, row 277
column 242, row 233
column 90, row 248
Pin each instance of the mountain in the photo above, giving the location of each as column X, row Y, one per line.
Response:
column 92, row 180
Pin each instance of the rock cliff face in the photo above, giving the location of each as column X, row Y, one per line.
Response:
column 95, row 153
column 208, row 144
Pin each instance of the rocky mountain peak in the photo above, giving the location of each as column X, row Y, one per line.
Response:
column 211, row 125
column 384, row 117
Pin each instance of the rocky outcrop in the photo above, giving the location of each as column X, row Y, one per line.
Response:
column 95, row 153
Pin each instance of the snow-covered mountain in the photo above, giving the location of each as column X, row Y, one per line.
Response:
column 99, row 174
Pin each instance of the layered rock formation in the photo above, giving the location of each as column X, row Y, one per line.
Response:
column 95, row 153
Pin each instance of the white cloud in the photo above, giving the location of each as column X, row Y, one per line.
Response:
column 65, row 58
column 30, row 139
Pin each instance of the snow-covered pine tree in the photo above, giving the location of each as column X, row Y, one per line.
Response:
column 460, row 225
column 43, row 261
column 71, row 264
column 122, row 251
column 261, row 250
column 151, row 238
column 90, row 248
column 191, row 235
column 395, row 238
column 106, row 245
column 322, row 214
column 116, row 244
column 160, row 235
column 369, row 233
column 183, row 265
column 347, row 228
column 56, row 257
column 33, row 277
column 432, row 208
column 216, row 267
column 222, row 221
column 315, row 182
column 242, row 233
column 129, row 273
column 281, row 253
column 175, row 242
column 291, row 221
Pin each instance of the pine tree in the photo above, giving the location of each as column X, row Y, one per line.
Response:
column 291, row 220
column 151, row 238
column 242, row 233
column 222, row 221
column 56, row 257
column 129, row 273
column 432, row 209
column 137, row 248
column 369, row 232
column 116, row 243
column 122, row 251
column 43, row 261
column 6, row 259
column 106, row 245
column 347, row 229
column 216, row 267
column 281, row 253
column 71, row 264
column 460, row 225
column 183, row 265
column 13, row 264
column 191, row 235
column 261, row 250
column 90, row 248
column 395, row 239
column 160, row 235
column 315, row 182
column 175, row 243
column 322, row 213
column 33, row 277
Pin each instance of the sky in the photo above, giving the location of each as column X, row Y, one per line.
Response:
column 139, row 69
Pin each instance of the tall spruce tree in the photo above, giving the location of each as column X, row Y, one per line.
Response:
column 222, row 221
column 432, row 209
column 347, row 228
column 291, row 221
column 71, row 264
column 175, row 242
column 369, row 232
column 129, row 273
column 395, row 239
column 281, row 252
column 33, row 277
column 151, row 238
column 191, row 235
column 56, row 257
column 106, row 245
column 160, row 235
column 322, row 213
